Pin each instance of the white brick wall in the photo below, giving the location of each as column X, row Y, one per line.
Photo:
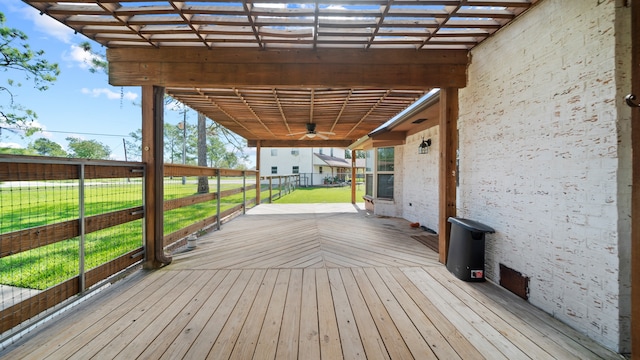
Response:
column 415, row 182
column 543, row 155
column 420, row 181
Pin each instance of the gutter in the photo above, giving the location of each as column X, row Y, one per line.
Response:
column 421, row 104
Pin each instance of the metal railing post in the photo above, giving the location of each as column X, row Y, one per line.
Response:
column 270, row 189
column 244, row 192
column 218, row 221
column 81, row 223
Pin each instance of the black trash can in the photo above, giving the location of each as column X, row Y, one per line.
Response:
column 466, row 249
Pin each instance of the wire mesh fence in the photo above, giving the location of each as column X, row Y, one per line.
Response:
column 195, row 203
column 59, row 221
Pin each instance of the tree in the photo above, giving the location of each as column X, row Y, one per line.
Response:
column 203, row 181
column 16, row 151
column 215, row 151
column 17, row 56
column 172, row 144
column 89, row 149
column 134, row 146
column 46, row 147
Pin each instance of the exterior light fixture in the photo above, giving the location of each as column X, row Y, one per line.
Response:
column 424, row 146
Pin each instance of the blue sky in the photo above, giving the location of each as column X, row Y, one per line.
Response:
column 79, row 104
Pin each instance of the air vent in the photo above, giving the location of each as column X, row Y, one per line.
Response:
column 514, row 281
column 419, row 121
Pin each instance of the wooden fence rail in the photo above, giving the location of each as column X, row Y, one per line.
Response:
column 33, row 190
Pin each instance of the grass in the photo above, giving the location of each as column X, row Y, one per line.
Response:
column 315, row 195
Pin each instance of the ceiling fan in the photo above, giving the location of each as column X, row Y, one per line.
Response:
column 312, row 133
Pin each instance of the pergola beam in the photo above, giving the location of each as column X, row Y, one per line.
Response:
column 297, row 143
column 192, row 67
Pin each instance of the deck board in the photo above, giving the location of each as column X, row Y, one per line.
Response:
column 314, row 282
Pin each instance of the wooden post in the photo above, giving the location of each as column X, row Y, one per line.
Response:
column 258, row 173
column 353, row 176
column 448, row 149
column 152, row 156
column 244, row 192
column 635, row 187
column 270, row 189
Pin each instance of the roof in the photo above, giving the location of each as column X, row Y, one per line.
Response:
column 333, row 161
column 421, row 115
column 264, row 69
column 269, row 24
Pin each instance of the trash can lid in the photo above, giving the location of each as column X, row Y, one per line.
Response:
column 471, row 225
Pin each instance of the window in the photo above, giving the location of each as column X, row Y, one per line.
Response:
column 368, row 181
column 274, row 152
column 320, row 151
column 368, row 169
column 368, row 161
column 274, row 170
column 384, row 167
column 295, row 152
column 320, row 169
column 379, row 167
column 295, row 170
column 385, row 186
column 385, row 159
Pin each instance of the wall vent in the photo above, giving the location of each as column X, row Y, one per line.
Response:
column 419, row 121
column 514, row 281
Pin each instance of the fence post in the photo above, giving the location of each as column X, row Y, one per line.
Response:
column 244, row 192
column 81, row 222
column 218, row 221
column 270, row 189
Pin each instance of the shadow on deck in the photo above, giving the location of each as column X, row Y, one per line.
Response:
column 306, row 281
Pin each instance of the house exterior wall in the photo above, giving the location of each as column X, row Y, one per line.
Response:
column 544, row 160
column 420, row 181
column 307, row 163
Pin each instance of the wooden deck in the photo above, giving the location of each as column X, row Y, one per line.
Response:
column 305, row 282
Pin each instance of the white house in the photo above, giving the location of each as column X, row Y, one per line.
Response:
column 316, row 166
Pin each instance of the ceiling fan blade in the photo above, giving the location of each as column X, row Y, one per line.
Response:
column 297, row 133
column 325, row 132
column 303, row 136
column 322, row 136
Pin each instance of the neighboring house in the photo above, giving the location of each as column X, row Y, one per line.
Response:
column 316, row 166
column 544, row 158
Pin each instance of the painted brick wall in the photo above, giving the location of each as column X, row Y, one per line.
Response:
column 541, row 160
column 420, row 180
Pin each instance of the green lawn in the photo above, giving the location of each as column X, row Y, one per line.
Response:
column 314, row 195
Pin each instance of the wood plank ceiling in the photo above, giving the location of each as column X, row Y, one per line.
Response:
column 344, row 101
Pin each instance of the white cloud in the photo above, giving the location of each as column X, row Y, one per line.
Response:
column 10, row 145
column 48, row 25
column 110, row 94
column 80, row 57
column 21, row 126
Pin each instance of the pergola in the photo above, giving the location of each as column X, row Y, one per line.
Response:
column 267, row 69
